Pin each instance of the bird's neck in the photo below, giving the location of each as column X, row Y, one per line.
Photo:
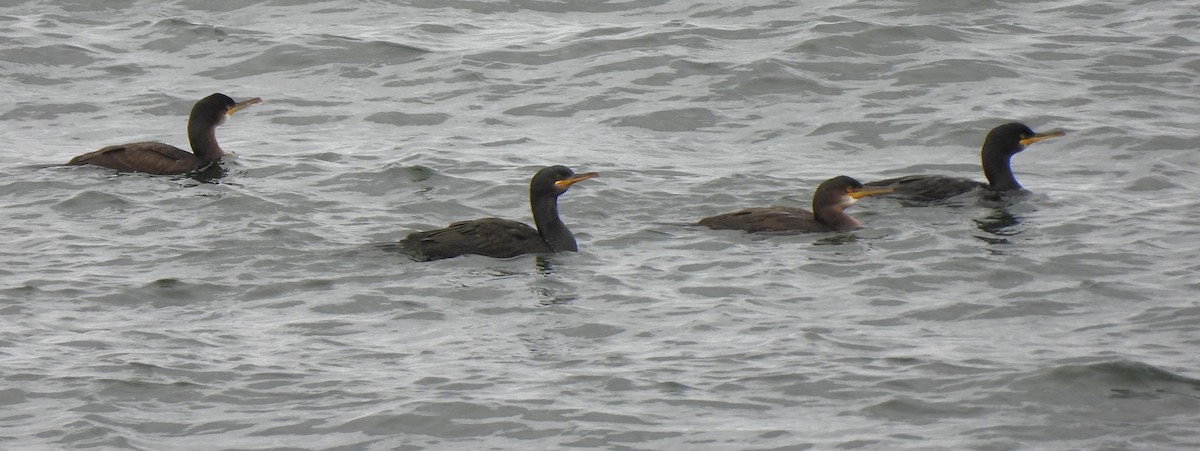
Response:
column 836, row 218
column 998, row 170
column 552, row 229
column 203, row 139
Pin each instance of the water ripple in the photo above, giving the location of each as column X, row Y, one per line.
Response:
column 260, row 300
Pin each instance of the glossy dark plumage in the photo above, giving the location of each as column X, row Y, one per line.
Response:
column 502, row 238
column 161, row 159
column 999, row 146
column 829, row 202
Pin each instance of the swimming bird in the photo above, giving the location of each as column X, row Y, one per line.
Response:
column 999, row 146
column 829, row 202
column 162, row 159
column 502, row 238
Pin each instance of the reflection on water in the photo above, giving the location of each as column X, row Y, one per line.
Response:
column 999, row 223
column 835, row 240
column 210, row 174
column 545, row 266
column 550, row 296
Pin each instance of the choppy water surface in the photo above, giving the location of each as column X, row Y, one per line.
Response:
column 156, row 313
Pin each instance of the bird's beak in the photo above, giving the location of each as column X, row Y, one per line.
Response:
column 1040, row 136
column 567, row 182
column 863, row 192
column 242, row 104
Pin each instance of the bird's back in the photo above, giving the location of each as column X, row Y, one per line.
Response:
column 492, row 237
column 148, row 157
column 766, row 219
column 928, row 187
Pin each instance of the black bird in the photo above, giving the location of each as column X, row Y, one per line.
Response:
column 829, row 202
column 162, row 159
column 502, row 238
column 998, row 147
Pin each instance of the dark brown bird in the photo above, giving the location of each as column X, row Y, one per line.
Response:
column 829, row 202
column 502, row 238
column 998, row 148
column 162, row 159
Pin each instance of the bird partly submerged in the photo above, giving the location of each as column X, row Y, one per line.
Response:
column 163, row 159
column 998, row 148
column 502, row 238
column 829, row 204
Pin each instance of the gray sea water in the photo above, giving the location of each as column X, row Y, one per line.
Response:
column 254, row 312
